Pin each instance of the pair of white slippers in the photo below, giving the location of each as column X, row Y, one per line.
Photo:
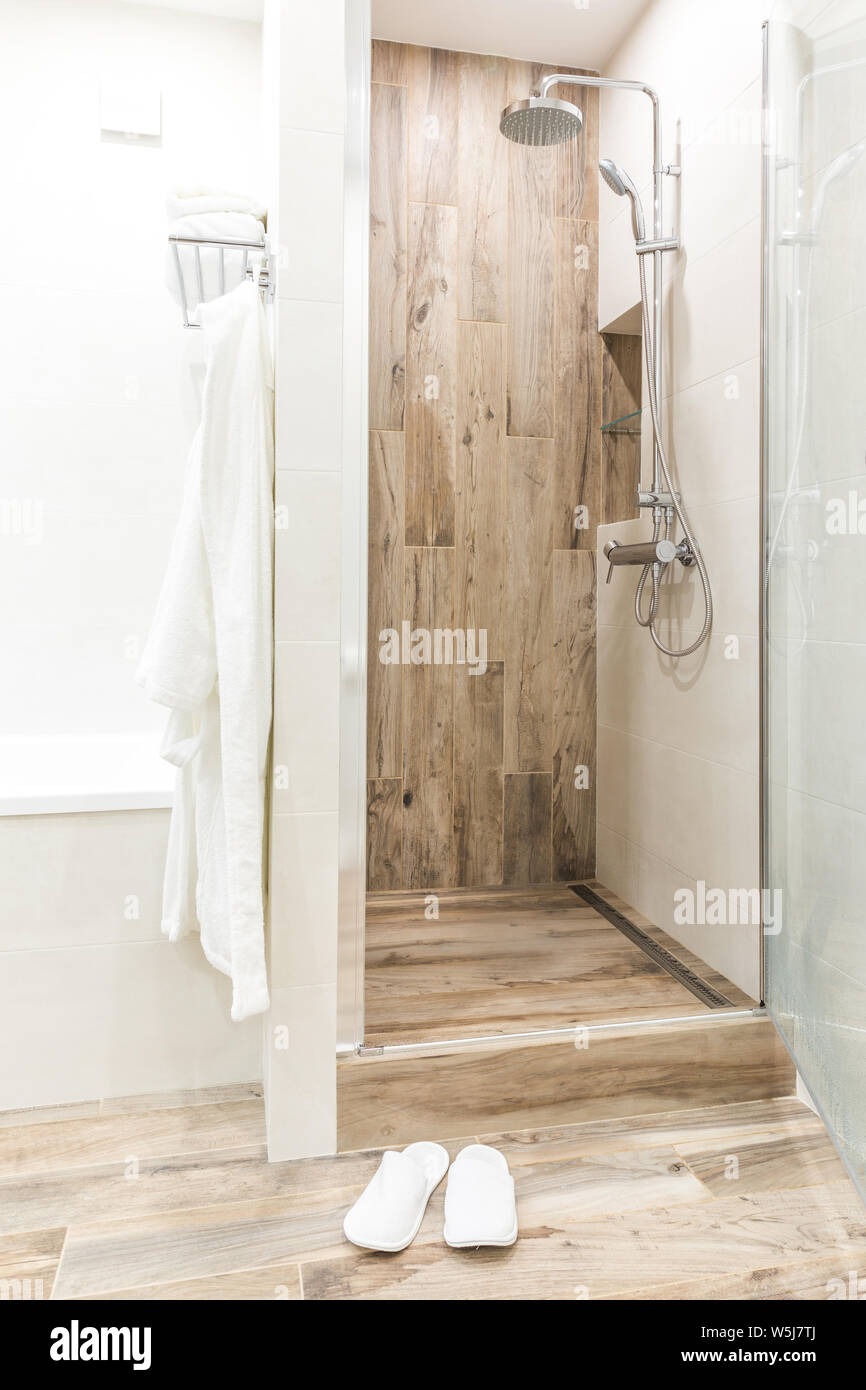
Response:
column 479, row 1201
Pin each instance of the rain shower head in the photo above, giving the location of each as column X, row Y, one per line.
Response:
column 619, row 183
column 540, row 121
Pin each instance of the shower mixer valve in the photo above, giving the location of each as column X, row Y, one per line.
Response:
column 658, row 552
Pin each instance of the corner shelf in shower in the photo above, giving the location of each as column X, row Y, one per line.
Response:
column 622, row 426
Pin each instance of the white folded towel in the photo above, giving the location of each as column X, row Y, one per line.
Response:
column 219, row 226
column 187, row 200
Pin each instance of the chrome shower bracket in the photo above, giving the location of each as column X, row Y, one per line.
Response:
column 647, row 247
column 655, row 499
column 265, row 277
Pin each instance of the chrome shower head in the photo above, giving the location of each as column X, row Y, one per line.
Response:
column 540, row 121
column 619, row 183
column 612, row 177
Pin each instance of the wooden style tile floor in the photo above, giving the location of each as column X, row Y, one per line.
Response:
column 515, row 960
column 137, row 1201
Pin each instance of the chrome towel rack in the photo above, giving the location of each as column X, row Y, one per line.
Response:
column 256, row 264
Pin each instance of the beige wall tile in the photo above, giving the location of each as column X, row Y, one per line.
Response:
column 697, row 814
column 307, row 745
column 311, row 197
column 309, row 100
column 708, row 707
column 301, row 1072
column 713, row 309
column 84, row 879
column 142, row 1017
column 713, row 434
column 721, row 182
column 307, row 550
column 304, row 888
column 308, row 385
column 650, row 883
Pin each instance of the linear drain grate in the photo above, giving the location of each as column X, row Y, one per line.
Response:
column 663, row 957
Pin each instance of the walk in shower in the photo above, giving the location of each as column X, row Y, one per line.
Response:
column 814, row 538
column 505, row 434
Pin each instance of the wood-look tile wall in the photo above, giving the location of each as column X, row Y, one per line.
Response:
column 485, row 477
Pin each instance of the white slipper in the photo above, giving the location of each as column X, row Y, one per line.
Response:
column 479, row 1201
column 389, row 1211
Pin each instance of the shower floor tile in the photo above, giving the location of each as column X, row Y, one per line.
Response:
column 499, row 961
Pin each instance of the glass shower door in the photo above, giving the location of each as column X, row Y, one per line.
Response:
column 814, row 571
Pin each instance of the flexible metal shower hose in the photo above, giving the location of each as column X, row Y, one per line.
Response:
column 649, row 622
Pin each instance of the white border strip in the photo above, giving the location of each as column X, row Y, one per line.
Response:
column 353, row 530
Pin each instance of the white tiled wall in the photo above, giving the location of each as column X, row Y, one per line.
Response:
column 300, row 1045
column 306, row 605
column 99, row 386
column 678, row 742
column 307, row 682
column 96, row 1002
column 311, row 190
column 99, row 399
column 310, row 383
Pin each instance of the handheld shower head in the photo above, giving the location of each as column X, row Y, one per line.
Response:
column 612, row 176
column 619, row 182
column 540, row 121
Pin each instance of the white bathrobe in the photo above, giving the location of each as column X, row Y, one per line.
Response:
column 209, row 655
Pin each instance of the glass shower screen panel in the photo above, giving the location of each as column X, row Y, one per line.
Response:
column 815, row 557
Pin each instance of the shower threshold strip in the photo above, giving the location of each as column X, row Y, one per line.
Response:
column 656, row 952
column 730, row 1015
